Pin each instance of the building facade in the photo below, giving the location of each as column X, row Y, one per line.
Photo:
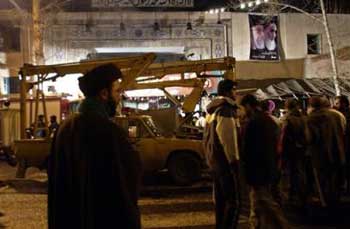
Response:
column 72, row 36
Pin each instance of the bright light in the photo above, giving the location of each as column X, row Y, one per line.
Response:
column 217, row 11
column 258, row 2
column 167, row 49
column 222, row 10
column 211, row 11
column 242, row 5
column 68, row 85
column 266, row 0
column 250, row 4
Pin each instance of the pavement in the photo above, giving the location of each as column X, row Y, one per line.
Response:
column 23, row 204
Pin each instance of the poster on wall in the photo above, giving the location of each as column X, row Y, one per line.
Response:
column 263, row 37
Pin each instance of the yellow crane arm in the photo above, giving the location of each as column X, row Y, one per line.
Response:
column 85, row 66
column 159, row 70
column 134, row 66
column 190, row 101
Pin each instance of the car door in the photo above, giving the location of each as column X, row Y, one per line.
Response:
column 145, row 144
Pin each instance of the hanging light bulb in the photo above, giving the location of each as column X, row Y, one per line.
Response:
column 243, row 5
column 222, row 10
column 266, row 0
column 189, row 26
column 258, row 2
column 122, row 27
column 250, row 4
column 156, row 26
column 211, row 11
column 217, row 11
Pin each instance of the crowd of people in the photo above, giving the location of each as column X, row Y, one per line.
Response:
column 248, row 148
column 94, row 172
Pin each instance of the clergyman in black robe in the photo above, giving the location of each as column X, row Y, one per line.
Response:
column 94, row 173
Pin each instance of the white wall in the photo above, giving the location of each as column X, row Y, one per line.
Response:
column 293, row 28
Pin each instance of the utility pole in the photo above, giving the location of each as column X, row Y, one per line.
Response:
column 38, row 55
column 331, row 49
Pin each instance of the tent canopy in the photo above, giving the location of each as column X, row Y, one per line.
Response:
column 281, row 88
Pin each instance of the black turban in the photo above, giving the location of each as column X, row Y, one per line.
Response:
column 99, row 78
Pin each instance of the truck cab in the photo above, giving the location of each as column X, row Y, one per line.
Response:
column 183, row 158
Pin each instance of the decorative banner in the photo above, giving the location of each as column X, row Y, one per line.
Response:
column 263, row 37
column 142, row 3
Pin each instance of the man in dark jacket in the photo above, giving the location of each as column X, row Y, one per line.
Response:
column 342, row 105
column 294, row 150
column 221, row 147
column 259, row 158
column 326, row 148
column 94, row 173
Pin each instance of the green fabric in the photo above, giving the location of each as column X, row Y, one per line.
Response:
column 93, row 105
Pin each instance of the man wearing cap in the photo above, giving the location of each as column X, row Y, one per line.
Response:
column 221, row 148
column 94, row 173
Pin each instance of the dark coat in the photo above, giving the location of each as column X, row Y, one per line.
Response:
column 346, row 113
column 94, row 176
column 294, row 136
column 326, row 143
column 259, row 155
column 326, row 148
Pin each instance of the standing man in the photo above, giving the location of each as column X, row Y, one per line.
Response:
column 342, row 104
column 326, row 149
column 221, row 147
column 259, row 158
column 53, row 127
column 94, row 173
column 294, row 151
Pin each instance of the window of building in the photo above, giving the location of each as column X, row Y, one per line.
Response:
column 313, row 44
column 11, row 85
column 9, row 37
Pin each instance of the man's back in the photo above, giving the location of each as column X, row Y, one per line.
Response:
column 259, row 149
column 326, row 143
column 294, row 136
column 87, row 177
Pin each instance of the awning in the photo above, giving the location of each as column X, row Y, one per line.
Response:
column 282, row 88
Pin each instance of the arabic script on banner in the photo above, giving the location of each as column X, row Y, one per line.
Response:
column 142, row 3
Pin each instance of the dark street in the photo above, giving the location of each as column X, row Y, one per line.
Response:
column 23, row 205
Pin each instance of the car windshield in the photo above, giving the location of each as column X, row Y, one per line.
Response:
column 149, row 123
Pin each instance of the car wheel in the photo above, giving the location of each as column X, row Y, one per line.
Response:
column 184, row 168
